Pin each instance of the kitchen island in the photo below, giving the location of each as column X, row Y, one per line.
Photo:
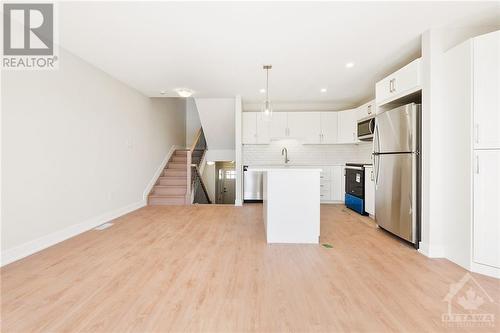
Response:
column 291, row 201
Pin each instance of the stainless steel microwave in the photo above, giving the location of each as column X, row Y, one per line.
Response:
column 366, row 128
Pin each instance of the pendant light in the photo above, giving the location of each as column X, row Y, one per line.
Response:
column 267, row 108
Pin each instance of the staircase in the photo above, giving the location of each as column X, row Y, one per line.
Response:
column 180, row 182
column 171, row 186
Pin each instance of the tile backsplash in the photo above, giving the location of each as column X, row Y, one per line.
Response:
column 302, row 154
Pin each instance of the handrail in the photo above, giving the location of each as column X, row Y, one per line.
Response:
column 198, row 175
column 196, row 139
column 191, row 179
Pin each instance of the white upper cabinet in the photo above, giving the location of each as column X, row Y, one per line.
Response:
column 348, row 126
column 486, row 90
column 486, row 235
column 401, row 83
column 254, row 129
column 329, row 127
column 249, row 127
column 278, row 126
column 305, row 126
column 367, row 110
column 263, row 135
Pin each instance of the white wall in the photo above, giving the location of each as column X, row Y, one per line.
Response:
column 193, row 123
column 301, row 154
column 209, row 180
column 238, row 108
column 217, row 119
column 78, row 147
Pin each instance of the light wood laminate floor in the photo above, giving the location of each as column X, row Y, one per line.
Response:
column 208, row 268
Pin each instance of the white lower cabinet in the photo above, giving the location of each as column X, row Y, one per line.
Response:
column 486, row 224
column 369, row 191
column 331, row 183
column 338, row 190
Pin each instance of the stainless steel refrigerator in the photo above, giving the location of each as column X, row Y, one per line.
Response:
column 397, row 171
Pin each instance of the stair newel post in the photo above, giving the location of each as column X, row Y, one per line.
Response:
column 188, row 177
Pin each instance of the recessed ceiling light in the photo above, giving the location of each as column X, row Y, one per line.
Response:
column 262, row 90
column 163, row 92
column 323, row 90
column 349, row 65
column 184, row 92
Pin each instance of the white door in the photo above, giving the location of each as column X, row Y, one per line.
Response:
column 249, row 128
column 347, row 126
column 487, row 207
column 263, row 125
column 305, row 126
column 227, row 184
column 329, row 127
column 369, row 191
column 278, row 125
column 487, row 90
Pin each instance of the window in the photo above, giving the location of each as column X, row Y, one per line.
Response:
column 230, row 174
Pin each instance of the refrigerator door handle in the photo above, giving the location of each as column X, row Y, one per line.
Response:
column 376, row 139
column 376, row 167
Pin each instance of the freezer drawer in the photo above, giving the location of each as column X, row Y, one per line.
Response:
column 396, row 194
column 396, row 130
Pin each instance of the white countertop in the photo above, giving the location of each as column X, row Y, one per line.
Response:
column 283, row 168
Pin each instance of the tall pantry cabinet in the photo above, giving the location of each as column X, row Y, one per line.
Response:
column 471, row 103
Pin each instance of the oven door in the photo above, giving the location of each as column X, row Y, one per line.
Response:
column 366, row 128
column 354, row 181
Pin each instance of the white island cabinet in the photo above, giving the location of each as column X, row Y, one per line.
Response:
column 291, row 204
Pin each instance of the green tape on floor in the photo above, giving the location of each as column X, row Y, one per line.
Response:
column 328, row 246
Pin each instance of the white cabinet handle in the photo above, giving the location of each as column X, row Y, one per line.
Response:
column 392, row 86
column 477, row 164
column 371, row 176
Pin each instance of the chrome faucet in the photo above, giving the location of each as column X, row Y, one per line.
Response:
column 284, row 151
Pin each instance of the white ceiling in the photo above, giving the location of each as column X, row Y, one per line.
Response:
column 218, row 48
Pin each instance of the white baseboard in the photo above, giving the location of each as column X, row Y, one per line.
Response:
column 28, row 248
column 158, row 172
column 431, row 252
column 485, row 270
